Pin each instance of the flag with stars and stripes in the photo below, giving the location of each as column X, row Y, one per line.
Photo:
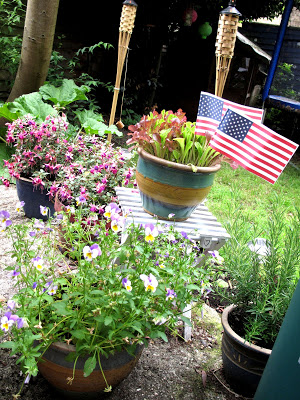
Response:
column 212, row 109
column 254, row 146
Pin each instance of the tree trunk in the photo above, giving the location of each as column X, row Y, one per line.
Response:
column 37, row 45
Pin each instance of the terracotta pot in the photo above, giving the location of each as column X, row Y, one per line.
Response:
column 33, row 198
column 243, row 362
column 55, row 369
column 167, row 187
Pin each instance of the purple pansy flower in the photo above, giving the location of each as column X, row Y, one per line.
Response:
column 127, row 284
column 170, row 294
column 150, row 232
column 150, row 282
column 4, row 219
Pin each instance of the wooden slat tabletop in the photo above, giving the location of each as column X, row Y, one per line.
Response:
column 201, row 226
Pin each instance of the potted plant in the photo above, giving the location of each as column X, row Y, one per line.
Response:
column 96, row 167
column 261, row 270
column 40, row 150
column 79, row 322
column 176, row 168
column 85, row 168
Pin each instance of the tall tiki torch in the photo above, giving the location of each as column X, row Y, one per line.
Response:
column 226, row 36
column 125, row 31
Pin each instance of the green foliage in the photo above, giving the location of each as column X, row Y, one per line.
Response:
column 65, row 94
column 12, row 14
column 283, row 82
column 5, row 153
column 261, row 283
column 91, row 49
column 31, row 103
column 38, row 105
column 92, row 123
column 85, row 296
column 61, row 68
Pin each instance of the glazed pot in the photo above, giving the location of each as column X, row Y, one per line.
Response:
column 170, row 188
column 33, row 198
column 243, row 362
column 56, row 370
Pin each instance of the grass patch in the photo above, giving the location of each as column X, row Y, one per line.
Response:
column 253, row 194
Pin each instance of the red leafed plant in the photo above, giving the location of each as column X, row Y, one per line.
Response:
column 170, row 136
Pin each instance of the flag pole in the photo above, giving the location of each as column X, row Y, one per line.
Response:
column 125, row 30
column 226, row 37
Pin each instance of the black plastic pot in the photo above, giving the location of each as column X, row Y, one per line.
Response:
column 33, row 198
column 243, row 362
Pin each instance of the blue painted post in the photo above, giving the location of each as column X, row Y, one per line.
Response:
column 281, row 376
column 278, row 45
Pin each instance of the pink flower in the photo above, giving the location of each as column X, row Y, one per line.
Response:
column 38, row 182
column 100, row 187
column 5, row 181
column 93, row 208
column 69, row 156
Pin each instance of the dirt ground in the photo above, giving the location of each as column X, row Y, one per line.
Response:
column 166, row 371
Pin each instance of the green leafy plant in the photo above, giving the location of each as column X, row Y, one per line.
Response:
column 262, row 274
column 49, row 100
column 283, row 82
column 36, row 103
column 61, row 67
column 113, row 294
column 12, row 14
column 170, row 136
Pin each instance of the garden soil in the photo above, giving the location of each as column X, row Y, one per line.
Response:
column 176, row 370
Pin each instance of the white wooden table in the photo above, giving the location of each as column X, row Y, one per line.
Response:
column 201, row 227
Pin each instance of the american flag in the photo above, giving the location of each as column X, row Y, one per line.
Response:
column 212, row 108
column 255, row 147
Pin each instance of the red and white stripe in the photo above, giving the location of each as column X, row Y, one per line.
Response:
column 255, row 114
column 205, row 124
column 263, row 152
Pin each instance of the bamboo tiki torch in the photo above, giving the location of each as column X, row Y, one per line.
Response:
column 226, row 36
column 125, row 31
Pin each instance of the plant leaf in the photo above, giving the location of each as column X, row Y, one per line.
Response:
column 65, row 94
column 162, row 335
column 7, row 113
column 186, row 320
column 89, row 366
column 32, row 104
column 61, row 308
column 78, row 334
column 108, row 320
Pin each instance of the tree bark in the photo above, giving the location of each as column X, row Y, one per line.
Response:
column 38, row 36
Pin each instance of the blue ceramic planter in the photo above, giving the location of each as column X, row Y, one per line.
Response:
column 167, row 187
column 33, row 198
